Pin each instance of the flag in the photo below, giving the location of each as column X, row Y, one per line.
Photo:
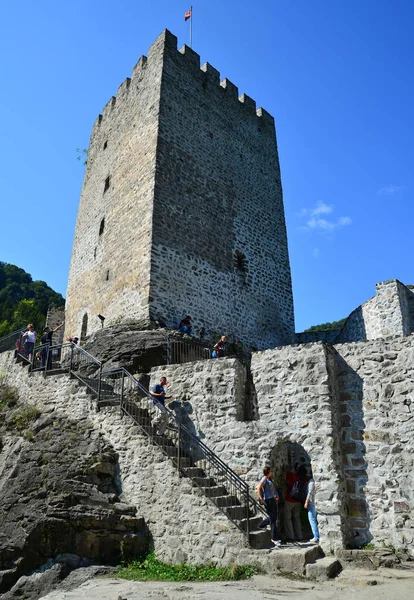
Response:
column 188, row 15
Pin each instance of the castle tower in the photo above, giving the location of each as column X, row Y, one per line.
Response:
column 181, row 209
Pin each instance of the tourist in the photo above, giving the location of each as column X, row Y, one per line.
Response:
column 29, row 337
column 158, row 393
column 186, row 326
column 310, row 506
column 46, row 340
column 220, row 347
column 269, row 497
column 296, row 482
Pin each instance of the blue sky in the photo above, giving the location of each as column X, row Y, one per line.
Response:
column 336, row 74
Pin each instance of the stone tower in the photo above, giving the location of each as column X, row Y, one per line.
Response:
column 181, row 209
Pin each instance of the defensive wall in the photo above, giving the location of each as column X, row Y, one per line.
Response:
column 346, row 409
column 181, row 209
column 389, row 313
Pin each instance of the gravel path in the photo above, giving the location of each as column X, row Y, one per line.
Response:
column 384, row 584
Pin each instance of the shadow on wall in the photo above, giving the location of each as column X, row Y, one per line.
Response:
column 283, row 458
column 349, row 456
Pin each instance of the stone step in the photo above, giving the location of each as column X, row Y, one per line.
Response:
column 204, row 481
column 260, row 539
column 227, row 500
column 253, row 523
column 236, row 513
column 194, row 472
column 290, row 559
column 214, row 491
column 324, row 568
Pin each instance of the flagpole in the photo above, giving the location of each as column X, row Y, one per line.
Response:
column 191, row 27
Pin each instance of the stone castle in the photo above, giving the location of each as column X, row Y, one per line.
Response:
column 181, row 210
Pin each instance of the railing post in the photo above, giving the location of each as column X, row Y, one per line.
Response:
column 122, row 392
column 47, row 360
column 99, row 388
column 71, row 358
column 169, row 350
column 247, row 513
column 179, row 447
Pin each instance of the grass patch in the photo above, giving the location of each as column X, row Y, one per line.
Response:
column 23, row 418
column 9, row 394
column 152, row 569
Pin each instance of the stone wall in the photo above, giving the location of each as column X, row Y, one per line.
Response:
column 220, row 248
column 346, row 409
column 54, row 318
column 181, row 210
column 184, row 524
column 389, row 313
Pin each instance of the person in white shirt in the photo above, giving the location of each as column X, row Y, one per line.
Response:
column 29, row 337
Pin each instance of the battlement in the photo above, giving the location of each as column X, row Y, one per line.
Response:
column 165, row 46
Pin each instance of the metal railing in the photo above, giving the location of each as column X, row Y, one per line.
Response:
column 10, row 341
column 170, row 428
column 183, row 350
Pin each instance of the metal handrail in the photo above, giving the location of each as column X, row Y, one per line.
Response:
column 179, row 435
column 183, row 432
column 8, row 342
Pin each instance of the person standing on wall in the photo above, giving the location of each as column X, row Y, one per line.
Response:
column 159, row 397
column 312, row 514
column 269, row 497
column 47, row 339
column 29, row 337
column 295, row 496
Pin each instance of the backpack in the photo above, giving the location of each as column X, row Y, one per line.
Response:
column 299, row 490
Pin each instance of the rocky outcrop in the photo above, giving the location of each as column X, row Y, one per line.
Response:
column 59, row 494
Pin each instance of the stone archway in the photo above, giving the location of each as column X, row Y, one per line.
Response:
column 283, row 458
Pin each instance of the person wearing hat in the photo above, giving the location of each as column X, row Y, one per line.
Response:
column 47, row 339
column 158, row 393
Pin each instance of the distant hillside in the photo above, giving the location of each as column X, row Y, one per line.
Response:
column 23, row 300
column 326, row 326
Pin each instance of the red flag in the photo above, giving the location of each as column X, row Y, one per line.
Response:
column 188, row 15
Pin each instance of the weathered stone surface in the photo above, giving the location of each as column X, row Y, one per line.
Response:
column 51, row 500
column 324, row 568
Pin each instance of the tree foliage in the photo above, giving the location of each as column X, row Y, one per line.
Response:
column 327, row 326
column 23, row 300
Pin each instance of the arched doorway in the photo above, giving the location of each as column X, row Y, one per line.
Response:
column 283, row 458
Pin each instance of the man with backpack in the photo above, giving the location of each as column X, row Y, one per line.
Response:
column 296, row 492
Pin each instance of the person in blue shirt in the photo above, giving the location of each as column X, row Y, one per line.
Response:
column 158, row 393
column 269, row 497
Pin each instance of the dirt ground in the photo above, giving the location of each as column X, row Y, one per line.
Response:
column 351, row 584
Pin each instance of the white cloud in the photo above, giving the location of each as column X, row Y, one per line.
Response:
column 314, row 222
column 389, row 190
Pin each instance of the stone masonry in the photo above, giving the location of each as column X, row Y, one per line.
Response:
column 345, row 409
column 389, row 313
column 181, row 209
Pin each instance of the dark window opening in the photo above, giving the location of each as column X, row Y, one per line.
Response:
column 105, row 146
column 94, row 253
column 107, row 275
column 102, row 227
column 240, row 262
column 84, row 326
column 107, row 180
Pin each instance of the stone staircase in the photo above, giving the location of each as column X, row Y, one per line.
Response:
column 303, row 559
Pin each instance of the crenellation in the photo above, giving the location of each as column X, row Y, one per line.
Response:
column 107, row 109
column 166, row 42
column 265, row 116
column 137, row 71
column 211, row 73
column 231, row 89
column 192, row 58
column 248, row 102
column 124, row 87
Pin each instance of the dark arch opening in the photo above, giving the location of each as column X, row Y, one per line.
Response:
column 102, row 226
